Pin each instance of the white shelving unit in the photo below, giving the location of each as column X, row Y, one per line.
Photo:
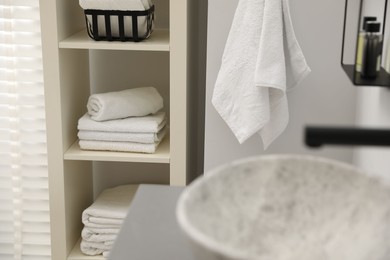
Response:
column 67, row 52
column 162, row 154
column 76, row 254
column 81, row 40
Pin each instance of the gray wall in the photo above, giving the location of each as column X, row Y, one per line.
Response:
column 373, row 110
column 326, row 97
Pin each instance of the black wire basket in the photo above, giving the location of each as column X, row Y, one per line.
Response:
column 112, row 25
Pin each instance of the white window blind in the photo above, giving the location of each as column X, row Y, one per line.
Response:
column 24, row 199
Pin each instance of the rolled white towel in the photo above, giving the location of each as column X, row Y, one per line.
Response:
column 125, row 103
column 146, row 124
column 118, row 146
column 147, row 138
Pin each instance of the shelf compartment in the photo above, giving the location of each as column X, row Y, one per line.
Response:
column 162, row 155
column 158, row 41
column 352, row 46
column 76, row 254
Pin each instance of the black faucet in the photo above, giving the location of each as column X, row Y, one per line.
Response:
column 317, row 136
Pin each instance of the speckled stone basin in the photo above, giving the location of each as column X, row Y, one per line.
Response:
column 285, row 207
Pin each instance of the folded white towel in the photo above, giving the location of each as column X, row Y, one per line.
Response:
column 146, row 124
column 99, row 230
column 110, row 208
column 125, row 103
column 99, row 234
column 118, row 146
column 147, row 138
column 94, row 248
column 121, row 5
column 261, row 61
column 109, row 242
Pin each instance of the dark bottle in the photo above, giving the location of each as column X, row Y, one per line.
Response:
column 362, row 34
column 372, row 50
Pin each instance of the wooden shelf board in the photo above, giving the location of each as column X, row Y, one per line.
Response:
column 162, row 155
column 76, row 254
column 158, row 41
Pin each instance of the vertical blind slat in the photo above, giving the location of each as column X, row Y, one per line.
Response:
column 24, row 216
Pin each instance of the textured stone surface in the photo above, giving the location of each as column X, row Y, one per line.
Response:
column 290, row 208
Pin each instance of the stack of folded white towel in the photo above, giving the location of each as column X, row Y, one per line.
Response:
column 103, row 219
column 127, row 121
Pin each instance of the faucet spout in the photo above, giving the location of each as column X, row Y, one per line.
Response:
column 318, row 136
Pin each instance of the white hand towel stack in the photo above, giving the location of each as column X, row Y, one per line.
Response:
column 125, row 121
column 103, row 219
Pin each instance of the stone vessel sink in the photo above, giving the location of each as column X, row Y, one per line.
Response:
column 286, row 207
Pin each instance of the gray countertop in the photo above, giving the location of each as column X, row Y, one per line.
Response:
column 150, row 230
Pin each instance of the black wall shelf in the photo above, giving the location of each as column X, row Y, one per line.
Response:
column 383, row 77
column 382, row 80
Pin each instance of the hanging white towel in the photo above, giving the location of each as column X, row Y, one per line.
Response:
column 146, row 124
column 118, row 146
column 125, row 103
column 261, row 61
column 110, row 208
column 148, row 138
